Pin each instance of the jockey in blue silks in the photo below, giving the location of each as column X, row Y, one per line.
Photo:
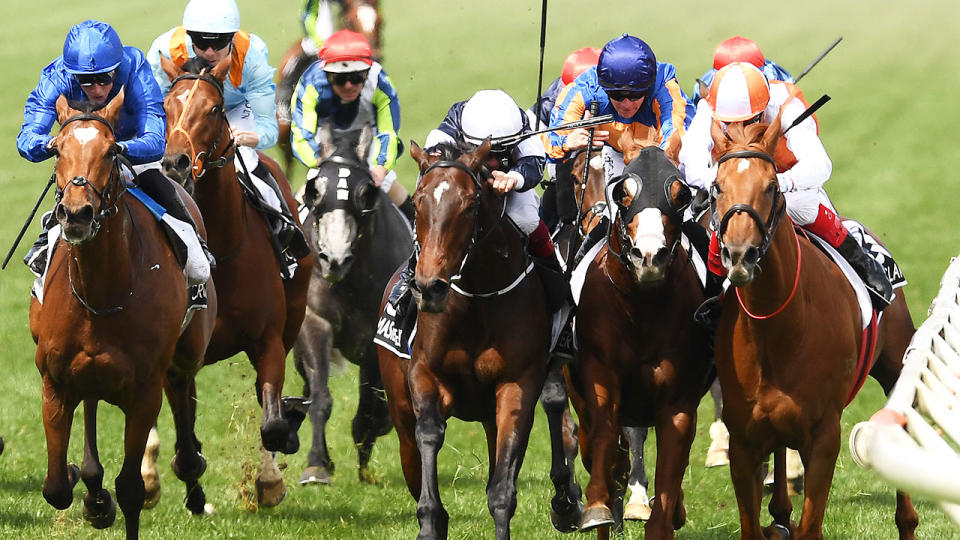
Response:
column 94, row 67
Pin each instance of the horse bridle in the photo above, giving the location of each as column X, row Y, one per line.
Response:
column 768, row 227
column 201, row 160
column 106, row 209
column 626, row 242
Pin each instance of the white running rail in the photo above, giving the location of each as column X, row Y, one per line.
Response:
column 913, row 441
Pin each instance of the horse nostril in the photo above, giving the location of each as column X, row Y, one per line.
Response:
column 661, row 257
column 183, row 162
column 752, row 255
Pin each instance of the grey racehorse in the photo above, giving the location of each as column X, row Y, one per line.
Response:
column 358, row 238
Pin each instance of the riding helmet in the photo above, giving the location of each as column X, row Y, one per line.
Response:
column 627, row 63
column 346, row 51
column 212, row 16
column 739, row 92
column 92, row 47
column 490, row 113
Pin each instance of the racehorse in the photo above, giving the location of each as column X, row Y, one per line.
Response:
column 642, row 360
column 475, row 356
column 260, row 313
column 358, row 237
column 361, row 16
column 102, row 331
column 788, row 340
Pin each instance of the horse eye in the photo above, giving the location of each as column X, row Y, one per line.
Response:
column 215, row 109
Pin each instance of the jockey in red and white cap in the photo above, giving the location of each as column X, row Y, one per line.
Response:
column 741, row 93
column 741, row 49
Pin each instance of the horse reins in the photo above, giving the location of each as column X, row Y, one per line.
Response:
column 767, row 229
column 201, row 160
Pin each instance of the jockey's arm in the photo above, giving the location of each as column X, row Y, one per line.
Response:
column 142, row 95
column 571, row 105
column 696, row 161
column 305, row 121
column 160, row 45
column 531, row 159
column 813, row 166
column 676, row 110
column 261, row 93
column 386, row 144
column 39, row 115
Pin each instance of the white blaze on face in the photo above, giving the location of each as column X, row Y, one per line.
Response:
column 438, row 191
column 336, row 231
column 183, row 97
column 650, row 237
column 367, row 17
column 85, row 135
column 743, row 166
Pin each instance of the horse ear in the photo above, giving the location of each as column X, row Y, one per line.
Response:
column 170, row 68
column 680, row 194
column 64, row 110
column 220, row 70
column 772, row 135
column 474, row 159
column 720, row 140
column 112, row 110
column 325, row 137
column 363, row 144
column 422, row 158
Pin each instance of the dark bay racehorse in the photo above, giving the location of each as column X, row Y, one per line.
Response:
column 103, row 331
column 480, row 352
column 358, row 238
column 642, row 359
column 788, row 341
column 260, row 313
column 361, row 16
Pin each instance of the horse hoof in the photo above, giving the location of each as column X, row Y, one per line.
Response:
column 270, row 494
column 716, row 458
column 315, row 475
column 596, row 516
column 189, row 474
column 196, row 501
column 778, row 532
column 152, row 496
column 637, row 511
column 275, row 435
column 567, row 520
column 100, row 511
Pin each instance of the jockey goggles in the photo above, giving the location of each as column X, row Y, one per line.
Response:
column 100, row 79
column 204, row 41
column 353, row 77
column 623, row 95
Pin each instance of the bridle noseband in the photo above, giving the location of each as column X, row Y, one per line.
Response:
column 201, row 160
column 768, row 227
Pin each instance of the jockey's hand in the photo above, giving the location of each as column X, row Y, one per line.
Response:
column 579, row 138
column 378, row 172
column 245, row 138
column 502, row 182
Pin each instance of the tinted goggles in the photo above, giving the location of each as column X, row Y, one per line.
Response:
column 340, row 79
column 623, row 95
column 100, row 79
column 207, row 41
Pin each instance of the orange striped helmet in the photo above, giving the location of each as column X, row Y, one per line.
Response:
column 739, row 92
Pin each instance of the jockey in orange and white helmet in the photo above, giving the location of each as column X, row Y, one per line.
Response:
column 741, row 93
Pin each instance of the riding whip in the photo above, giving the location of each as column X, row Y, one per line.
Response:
column 29, row 219
column 594, row 107
column 810, row 110
column 543, row 39
column 511, row 140
column 818, row 59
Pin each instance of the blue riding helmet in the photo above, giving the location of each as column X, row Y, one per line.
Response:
column 627, row 63
column 92, row 47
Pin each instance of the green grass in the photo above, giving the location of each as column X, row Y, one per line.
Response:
column 889, row 130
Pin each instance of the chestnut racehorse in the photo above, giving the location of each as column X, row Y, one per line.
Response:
column 361, row 16
column 103, row 332
column 480, row 352
column 260, row 313
column 788, row 340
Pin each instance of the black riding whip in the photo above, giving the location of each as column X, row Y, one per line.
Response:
column 543, row 39
column 29, row 219
column 818, row 59
column 594, row 107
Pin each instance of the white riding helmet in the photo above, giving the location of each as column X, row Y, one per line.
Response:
column 212, row 16
column 490, row 113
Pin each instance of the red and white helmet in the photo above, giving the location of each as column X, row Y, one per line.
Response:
column 739, row 92
column 738, row 49
column 579, row 61
column 346, row 51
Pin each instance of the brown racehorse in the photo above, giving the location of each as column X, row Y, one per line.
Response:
column 260, row 313
column 476, row 356
column 788, row 340
column 103, row 332
column 361, row 16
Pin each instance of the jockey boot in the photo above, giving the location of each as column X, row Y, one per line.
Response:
column 36, row 257
column 408, row 209
column 595, row 235
column 284, row 227
column 400, row 294
column 179, row 226
column 548, row 267
column 869, row 270
column 708, row 314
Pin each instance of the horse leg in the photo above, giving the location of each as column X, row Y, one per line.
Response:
column 620, row 475
column 269, row 361
column 820, row 455
column 717, row 454
column 565, row 507
column 675, row 431
column 140, row 415
column 312, row 353
column 149, row 471
column 515, row 409
column 269, row 483
column 429, row 433
column 638, row 507
column 372, row 419
column 98, row 507
column 747, row 475
column 57, row 419
column 602, row 399
column 780, row 506
column 188, row 463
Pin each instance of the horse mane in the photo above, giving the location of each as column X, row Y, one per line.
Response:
column 85, row 106
column 746, row 135
column 196, row 65
column 449, row 151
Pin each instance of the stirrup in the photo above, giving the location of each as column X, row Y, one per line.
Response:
column 708, row 313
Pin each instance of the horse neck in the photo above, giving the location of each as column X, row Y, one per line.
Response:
column 774, row 281
column 499, row 241
column 220, row 199
column 102, row 270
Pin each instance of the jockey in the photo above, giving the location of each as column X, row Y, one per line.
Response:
column 642, row 94
column 317, row 22
column 211, row 31
column 515, row 171
column 741, row 93
column 740, row 49
column 350, row 90
column 95, row 67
